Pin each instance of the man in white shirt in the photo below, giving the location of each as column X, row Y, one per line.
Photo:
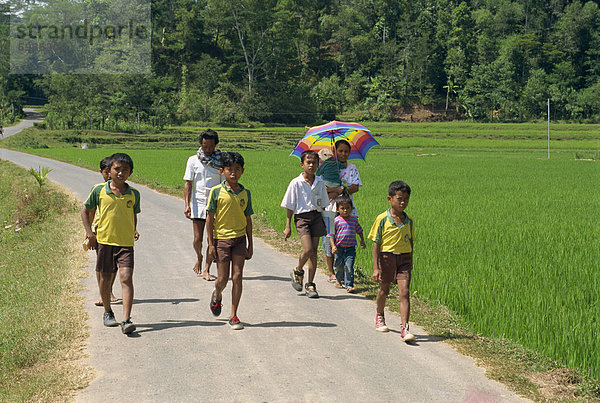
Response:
column 202, row 173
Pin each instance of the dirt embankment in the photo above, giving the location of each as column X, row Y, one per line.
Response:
column 420, row 113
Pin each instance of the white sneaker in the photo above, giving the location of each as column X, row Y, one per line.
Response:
column 406, row 335
column 380, row 325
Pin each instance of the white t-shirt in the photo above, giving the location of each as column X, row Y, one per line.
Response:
column 203, row 177
column 348, row 176
column 301, row 197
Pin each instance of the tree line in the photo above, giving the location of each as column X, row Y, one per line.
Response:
column 299, row 61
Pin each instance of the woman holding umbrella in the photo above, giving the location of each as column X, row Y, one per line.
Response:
column 351, row 184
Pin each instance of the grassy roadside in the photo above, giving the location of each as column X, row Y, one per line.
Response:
column 42, row 321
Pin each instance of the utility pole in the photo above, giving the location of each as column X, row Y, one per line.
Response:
column 548, row 128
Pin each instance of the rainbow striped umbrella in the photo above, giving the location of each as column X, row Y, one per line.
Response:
column 325, row 136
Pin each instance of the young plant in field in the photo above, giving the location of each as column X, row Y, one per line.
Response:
column 40, row 175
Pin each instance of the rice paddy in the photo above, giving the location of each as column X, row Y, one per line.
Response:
column 506, row 238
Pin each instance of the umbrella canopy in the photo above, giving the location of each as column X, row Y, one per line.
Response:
column 325, row 136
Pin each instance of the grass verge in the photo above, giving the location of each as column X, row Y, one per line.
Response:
column 42, row 319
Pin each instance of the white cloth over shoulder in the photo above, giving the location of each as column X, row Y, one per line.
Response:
column 349, row 176
column 301, row 197
column 204, row 177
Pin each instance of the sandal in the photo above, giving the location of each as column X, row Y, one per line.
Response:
column 339, row 285
column 350, row 290
column 332, row 279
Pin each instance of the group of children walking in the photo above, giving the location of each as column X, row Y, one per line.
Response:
column 113, row 207
column 392, row 234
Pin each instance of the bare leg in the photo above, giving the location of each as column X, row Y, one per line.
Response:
column 98, row 280
column 329, row 260
column 309, row 254
column 112, row 295
column 328, row 220
column 104, row 284
column 126, row 276
column 404, row 297
column 222, row 279
column 206, row 273
column 384, row 290
column 237, row 270
column 197, row 243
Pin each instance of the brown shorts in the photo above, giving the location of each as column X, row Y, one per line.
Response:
column 226, row 248
column 310, row 223
column 395, row 267
column 110, row 258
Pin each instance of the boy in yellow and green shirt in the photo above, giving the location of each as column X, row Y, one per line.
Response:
column 392, row 234
column 229, row 233
column 105, row 172
column 116, row 204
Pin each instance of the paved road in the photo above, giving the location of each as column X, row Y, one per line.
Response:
column 292, row 349
column 32, row 116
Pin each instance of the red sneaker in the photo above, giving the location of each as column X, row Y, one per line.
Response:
column 235, row 323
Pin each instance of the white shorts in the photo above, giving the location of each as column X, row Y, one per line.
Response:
column 198, row 209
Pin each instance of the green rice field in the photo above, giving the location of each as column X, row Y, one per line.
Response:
column 505, row 237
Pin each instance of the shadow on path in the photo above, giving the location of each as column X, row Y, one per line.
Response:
column 272, row 278
column 340, row 297
column 290, row 324
column 424, row 338
column 170, row 324
column 175, row 301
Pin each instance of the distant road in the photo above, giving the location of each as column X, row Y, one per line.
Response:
column 292, row 349
column 32, row 117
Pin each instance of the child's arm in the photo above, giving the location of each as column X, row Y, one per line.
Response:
column 359, row 231
column 376, row 269
column 210, row 226
column 87, row 225
column 332, row 243
column 136, row 235
column 91, row 215
column 249, row 236
column 362, row 240
column 288, row 224
column 332, row 193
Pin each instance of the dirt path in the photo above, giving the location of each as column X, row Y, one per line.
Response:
column 292, row 349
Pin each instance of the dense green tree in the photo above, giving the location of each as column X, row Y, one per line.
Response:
column 306, row 60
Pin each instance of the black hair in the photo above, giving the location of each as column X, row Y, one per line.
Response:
column 307, row 153
column 104, row 163
column 121, row 157
column 339, row 142
column 398, row 186
column 343, row 199
column 230, row 158
column 209, row 134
